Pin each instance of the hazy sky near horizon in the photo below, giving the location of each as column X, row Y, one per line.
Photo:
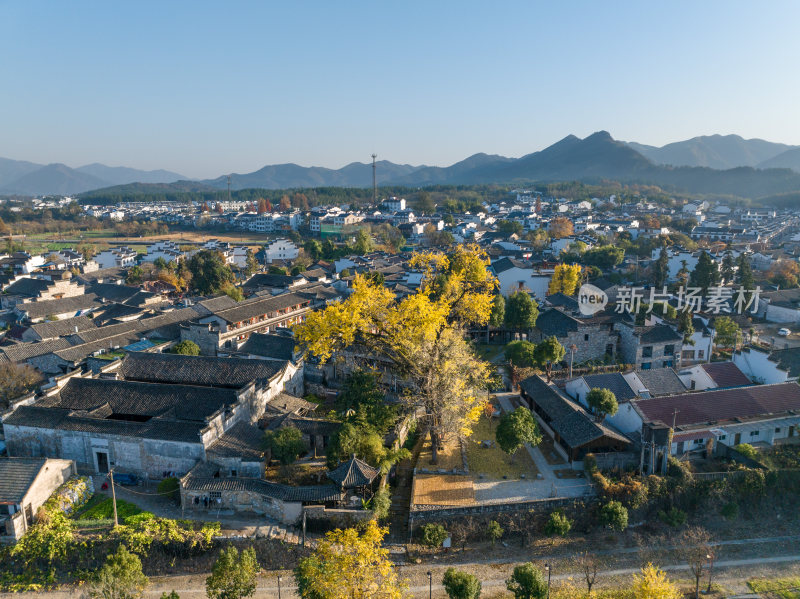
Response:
column 207, row 88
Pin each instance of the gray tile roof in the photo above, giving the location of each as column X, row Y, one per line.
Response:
column 27, row 287
column 17, row 476
column 261, row 305
column 726, row 374
column 278, row 347
column 57, row 328
column 242, row 440
column 659, row 333
column 555, row 322
column 614, row 382
column 23, row 351
column 661, row 381
column 130, row 399
column 205, row 371
column 65, row 305
column 316, row 493
column 353, row 473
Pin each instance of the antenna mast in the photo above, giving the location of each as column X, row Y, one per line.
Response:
column 374, row 181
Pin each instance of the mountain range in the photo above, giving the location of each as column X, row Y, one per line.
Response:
column 714, row 164
column 28, row 178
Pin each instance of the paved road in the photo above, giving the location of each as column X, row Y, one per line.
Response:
column 269, row 587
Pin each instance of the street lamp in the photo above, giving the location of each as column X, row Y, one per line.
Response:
column 572, row 348
column 549, row 572
column 710, row 558
column 430, row 585
column 279, row 586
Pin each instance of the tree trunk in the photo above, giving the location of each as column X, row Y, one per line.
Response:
column 434, row 448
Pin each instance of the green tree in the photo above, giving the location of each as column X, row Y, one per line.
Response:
column 313, row 248
column 705, row 273
column 433, row 535
column 170, row 595
column 683, row 274
column 744, row 273
column 614, row 515
column 498, row 311
column 661, row 269
column 521, row 311
column 135, row 275
column 186, row 348
column 251, row 264
column 548, row 352
column 235, row 293
column 233, row 575
column 169, row 487
column 558, row 524
column 494, row 531
column 461, row 585
column 160, row 263
column 515, row 430
column 209, row 271
column 381, row 503
column 363, row 243
column 603, row 402
column 276, row 270
column 121, row 577
column 728, row 333
column 686, row 326
column 285, row 444
column 362, row 401
column 604, row 257
column 510, row 227
column 521, row 354
column 728, row 271
column 527, row 582
column 425, row 203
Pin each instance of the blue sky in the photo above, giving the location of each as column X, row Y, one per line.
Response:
column 206, row 88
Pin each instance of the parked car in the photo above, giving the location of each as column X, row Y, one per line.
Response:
column 784, row 332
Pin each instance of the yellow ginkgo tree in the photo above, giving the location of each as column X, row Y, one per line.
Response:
column 420, row 337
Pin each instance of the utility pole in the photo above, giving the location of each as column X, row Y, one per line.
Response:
column 113, row 496
column 374, row 181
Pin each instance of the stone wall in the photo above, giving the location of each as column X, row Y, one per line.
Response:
column 591, row 341
column 204, row 335
column 242, row 502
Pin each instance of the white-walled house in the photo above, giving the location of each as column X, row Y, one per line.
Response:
column 514, row 275
column 768, row 367
column 281, row 249
column 168, row 250
column 120, row 257
column 713, row 375
column 701, row 348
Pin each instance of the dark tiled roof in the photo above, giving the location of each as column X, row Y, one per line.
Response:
column 57, row 328
column 564, row 301
column 269, row 280
column 726, row 374
column 279, row 347
column 567, row 418
column 117, row 311
column 27, row 287
column 176, row 402
column 722, row 405
column 16, row 477
column 307, row 426
column 59, row 306
column 614, row 382
column 659, row 333
column 242, row 440
column 661, row 381
column 204, row 371
column 317, row 493
column 353, row 473
column 213, row 304
column 505, row 264
column 787, row 359
column 283, row 403
column 24, row 351
column 259, row 306
column 63, row 419
column 555, row 322
column 122, row 294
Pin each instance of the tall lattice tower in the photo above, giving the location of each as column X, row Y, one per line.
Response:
column 374, row 181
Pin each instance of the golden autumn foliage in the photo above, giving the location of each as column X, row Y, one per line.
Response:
column 653, row 583
column 566, row 279
column 350, row 565
column 421, row 335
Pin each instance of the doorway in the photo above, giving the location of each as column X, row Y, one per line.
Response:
column 737, row 439
column 102, row 462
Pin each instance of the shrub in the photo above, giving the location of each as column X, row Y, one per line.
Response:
column 747, row 450
column 186, row 348
column 461, row 585
column 674, row 517
column 169, row 487
column 433, row 535
column 730, row 511
column 558, row 524
column 614, row 515
column 527, row 582
column 381, row 503
column 495, row 531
